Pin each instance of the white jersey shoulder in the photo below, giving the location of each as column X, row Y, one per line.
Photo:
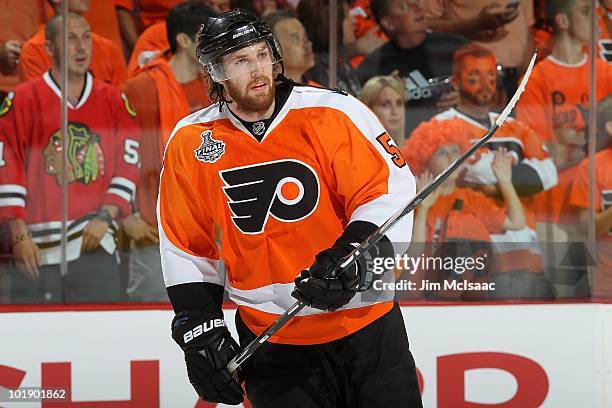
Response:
column 208, row 114
column 355, row 110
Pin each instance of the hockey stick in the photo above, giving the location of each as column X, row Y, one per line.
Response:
column 382, row 230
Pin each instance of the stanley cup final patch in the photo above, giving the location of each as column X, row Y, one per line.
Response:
column 211, row 149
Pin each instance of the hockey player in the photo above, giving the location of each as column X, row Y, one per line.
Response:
column 293, row 175
column 102, row 143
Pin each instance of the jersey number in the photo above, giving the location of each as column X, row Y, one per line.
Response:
column 2, row 162
column 396, row 156
column 131, row 151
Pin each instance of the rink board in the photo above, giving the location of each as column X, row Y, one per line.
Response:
column 468, row 356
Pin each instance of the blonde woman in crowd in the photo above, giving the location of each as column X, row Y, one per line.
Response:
column 385, row 96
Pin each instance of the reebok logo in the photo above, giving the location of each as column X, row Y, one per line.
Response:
column 203, row 328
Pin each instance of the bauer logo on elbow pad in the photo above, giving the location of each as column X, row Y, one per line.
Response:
column 288, row 190
column 203, row 328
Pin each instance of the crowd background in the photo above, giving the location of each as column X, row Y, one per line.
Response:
column 536, row 201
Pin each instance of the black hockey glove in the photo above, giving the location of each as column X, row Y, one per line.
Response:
column 208, row 347
column 321, row 287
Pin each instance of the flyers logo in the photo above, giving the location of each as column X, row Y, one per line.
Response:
column 288, row 190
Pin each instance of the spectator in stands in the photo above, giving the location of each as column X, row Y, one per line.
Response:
column 107, row 62
column 431, row 148
column 417, row 55
column 502, row 27
column 17, row 24
column 475, row 77
column 367, row 33
column 101, row 144
column 153, row 41
column 552, row 106
column 602, row 277
column 298, row 56
column 385, row 96
column 314, row 15
column 162, row 93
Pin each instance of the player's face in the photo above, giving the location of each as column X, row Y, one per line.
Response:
column 580, row 20
column 219, row 6
column 389, row 107
column 251, row 73
column 477, row 80
column 297, row 48
column 442, row 158
column 406, row 17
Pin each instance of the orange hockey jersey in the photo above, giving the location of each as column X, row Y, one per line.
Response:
column 324, row 161
column 521, row 251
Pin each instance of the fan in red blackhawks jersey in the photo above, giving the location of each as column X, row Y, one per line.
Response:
column 294, row 176
column 517, row 265
column 101, row 169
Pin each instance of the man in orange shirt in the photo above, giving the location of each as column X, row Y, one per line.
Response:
column 552, row 105
column 602, row 278
column 153, row 41
column 107, row 62
column 162, row 93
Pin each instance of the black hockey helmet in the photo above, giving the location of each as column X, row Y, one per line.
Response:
column 229, row 32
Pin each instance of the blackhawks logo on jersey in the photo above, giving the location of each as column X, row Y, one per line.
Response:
column 7, row 104
column 85, row 156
